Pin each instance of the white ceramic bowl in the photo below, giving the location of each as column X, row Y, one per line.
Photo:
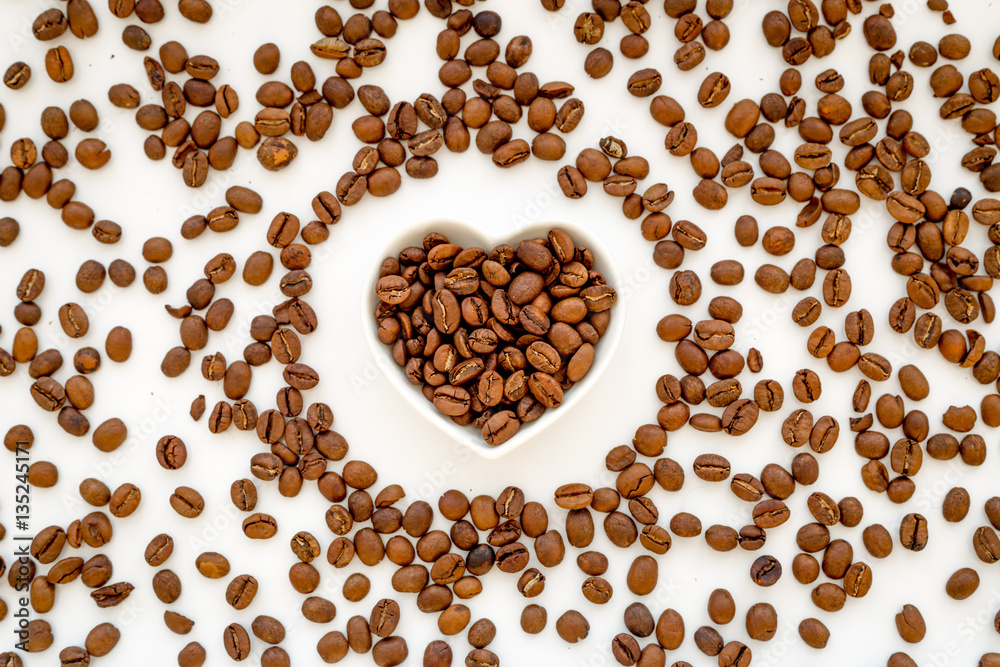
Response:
column 467, row 236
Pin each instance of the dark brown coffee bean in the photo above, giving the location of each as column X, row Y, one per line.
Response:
column 765, row 571
column 751, row 538
column 17, row 76
column 986, row 544
column 113, row 595
column 913, row 532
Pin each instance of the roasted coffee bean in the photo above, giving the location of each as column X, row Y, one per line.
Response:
column 102, row 639
column 125, row 500
column 829, row 597
column 17, row 76
column 814, row 633
column 770, row 514
column 962, row 584
column 765, row 571
column 113, row 595
column 910, row 624
column 187, row 502
column 597, row 590
column 572, row 626
column 761, row 621
column 750, row 538
column 236, row 641
column 913, row 532
column 986, row 544
column 805, row 568
column 711, row 467
column 992, row 508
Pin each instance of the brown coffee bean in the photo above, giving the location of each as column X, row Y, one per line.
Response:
column 829, row 597
column 572, row 626
column 962, row 584
column 910, row 624
column 125, row 500
column 711, row 467
column 533, row 619
column 805, row 568
column 986, row 544
column 992, row 508
column 276, row 153
column 681, row 139
column 187, row 502
column 597, row 590
column 814, row 633
column 17, row 76
column 913, row 532
column 761, row 621
column 770, row 514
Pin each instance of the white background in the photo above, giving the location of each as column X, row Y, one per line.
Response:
column 150, row 200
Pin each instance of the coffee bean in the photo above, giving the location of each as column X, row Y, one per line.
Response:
column 768, row 191
column 159, row 550
column 711, row 467
column 721, row 607
column 17, row 76
column 102, row 639
column 735, row 654
column 814, row 633
column 572, row 626
column 805, row 568
column 96, row 572
column 674, row 328
column 274, row 153
column 770, row 514
column 187, row 502
column 986, row 544
column 113, row 595
column 913, row 532
column 125, row 500
column 167, row 586
column 260, row 526
column 236, row 641
column 910, row 624
column 681, row 139
column 709, row 641
column 828, row 597
column 644, row 83
column 746, row 487
column 761, row 621
column 751, row 538
column 962, row 583
column 765, row 571
column 625, row 648
column 992, row 508
column 710, row 195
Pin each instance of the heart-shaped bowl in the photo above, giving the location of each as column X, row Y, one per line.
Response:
column 467, row 236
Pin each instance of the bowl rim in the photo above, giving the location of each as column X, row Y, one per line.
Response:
column 468, row 235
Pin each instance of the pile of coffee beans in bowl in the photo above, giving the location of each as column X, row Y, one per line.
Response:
column 494, row 337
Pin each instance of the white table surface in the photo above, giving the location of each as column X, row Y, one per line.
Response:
column 149, row 199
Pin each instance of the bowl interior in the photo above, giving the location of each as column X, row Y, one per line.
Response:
column 468, row 236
